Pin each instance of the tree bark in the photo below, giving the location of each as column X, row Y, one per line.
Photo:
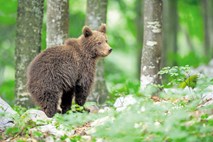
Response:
column 57, row 22
column 170, row 28
column 139, row 27
column 28, row 43
column 96, row 14
column 208, row 28
column 151, row 53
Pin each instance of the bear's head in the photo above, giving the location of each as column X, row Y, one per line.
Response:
column 96, row 42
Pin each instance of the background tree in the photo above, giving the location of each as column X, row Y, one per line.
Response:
column 57, row 21
column 151, row 53
column 170, row 28
column 96, row 14
column 28, row 43
column 208, row 28
column 139, row 27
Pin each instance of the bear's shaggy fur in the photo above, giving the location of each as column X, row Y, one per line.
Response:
column 59, row 73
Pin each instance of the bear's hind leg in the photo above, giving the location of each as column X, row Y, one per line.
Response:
column 67, row 100
column 50, row 103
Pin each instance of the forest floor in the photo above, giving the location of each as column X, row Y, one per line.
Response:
column 168, row 114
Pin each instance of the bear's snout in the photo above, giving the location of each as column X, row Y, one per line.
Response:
column 110, row 50
column 104, row 51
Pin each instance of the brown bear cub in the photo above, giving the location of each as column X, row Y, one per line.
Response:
column 59, row 73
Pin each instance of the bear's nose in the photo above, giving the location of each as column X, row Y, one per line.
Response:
column 110, row 50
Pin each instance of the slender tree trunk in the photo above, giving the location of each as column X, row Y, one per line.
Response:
column 188, row 39
column 57, row 22
column 170, row 28
column 1, row 74
column 96, row 14
column 28, row 43
column 151, row 53
column 139, row 26
column 208, row 28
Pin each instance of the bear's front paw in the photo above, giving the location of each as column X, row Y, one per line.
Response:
column 80, row 101
column 49, row 113
column 59, row 110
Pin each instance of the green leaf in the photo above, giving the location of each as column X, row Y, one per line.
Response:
column 190, row 82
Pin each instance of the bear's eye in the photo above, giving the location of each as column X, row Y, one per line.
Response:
column 99, row 43
column 106, row 41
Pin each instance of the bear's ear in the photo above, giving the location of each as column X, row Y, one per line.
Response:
column 102, row 28
column 87, row 31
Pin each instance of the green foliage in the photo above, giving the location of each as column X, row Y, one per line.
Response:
column 19, row 109
column 75, row 119
column 7, row 91
column 8, row 12
column 123, row 88
column 75, row 29
column 124, row 40
column 21, row 128
column 76, row 139
column 190, row 16
column 190, row 59
column 204, row 82
column 23, row 124
column 190, row 82
column 77, row 108
column 174, row 75
column 160, row 121
column 173, row 118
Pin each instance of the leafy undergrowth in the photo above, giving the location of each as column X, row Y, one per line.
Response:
column 168, row 114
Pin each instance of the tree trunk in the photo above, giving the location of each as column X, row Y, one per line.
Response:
column 188, row 39
column 57, row 22
column 151, row 53
column 208, row 28
column 170, row 28
column 96, row 14
column 28, row 43
column 2, row 75
column 139, row 27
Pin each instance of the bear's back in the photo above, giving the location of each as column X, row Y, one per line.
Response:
column 56, row 67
